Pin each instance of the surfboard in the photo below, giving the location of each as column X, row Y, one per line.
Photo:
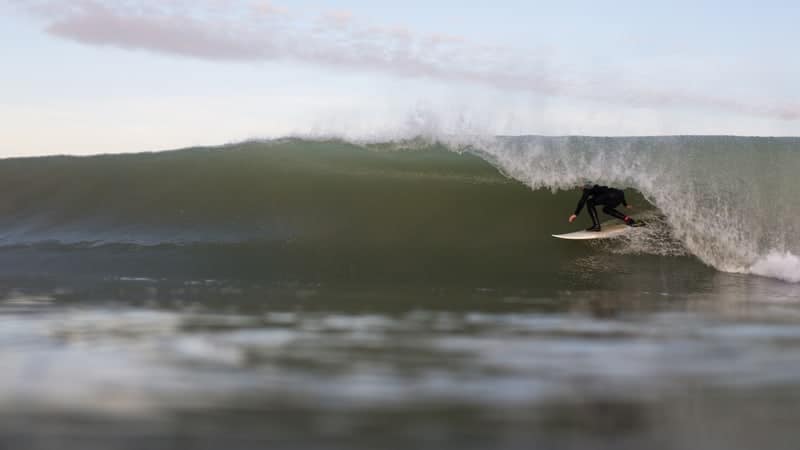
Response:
column 608, row 231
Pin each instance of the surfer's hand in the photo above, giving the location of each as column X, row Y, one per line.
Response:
column 628, row 206
column 572, row 218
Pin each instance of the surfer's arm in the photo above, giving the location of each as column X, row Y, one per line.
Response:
column 582, row 201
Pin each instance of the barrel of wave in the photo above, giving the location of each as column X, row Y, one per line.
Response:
column 730, row 200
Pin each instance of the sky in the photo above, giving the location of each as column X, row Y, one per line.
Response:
column 103, row 76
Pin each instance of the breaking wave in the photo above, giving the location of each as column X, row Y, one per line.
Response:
column 406, row 207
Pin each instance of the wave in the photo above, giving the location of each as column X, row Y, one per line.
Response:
column 456, row 201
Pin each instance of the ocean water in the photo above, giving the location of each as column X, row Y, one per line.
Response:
column 330, row 294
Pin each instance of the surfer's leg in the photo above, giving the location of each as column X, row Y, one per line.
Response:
column 614, row 213
column 590, row 207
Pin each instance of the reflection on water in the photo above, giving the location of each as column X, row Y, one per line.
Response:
column 659, row 362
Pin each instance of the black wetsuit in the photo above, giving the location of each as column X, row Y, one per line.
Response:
column 610, row 198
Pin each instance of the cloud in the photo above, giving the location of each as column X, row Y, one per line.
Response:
column 180, row 36
column 258, row 30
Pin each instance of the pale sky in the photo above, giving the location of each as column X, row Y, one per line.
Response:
column 102, row 76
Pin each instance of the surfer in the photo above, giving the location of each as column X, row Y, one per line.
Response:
column 610, row 198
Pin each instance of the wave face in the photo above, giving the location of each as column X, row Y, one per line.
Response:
column 456, row 206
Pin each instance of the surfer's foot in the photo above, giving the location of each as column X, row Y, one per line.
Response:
column 594, row 228
column 633, row 223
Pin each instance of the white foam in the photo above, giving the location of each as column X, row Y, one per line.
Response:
column 782, row 265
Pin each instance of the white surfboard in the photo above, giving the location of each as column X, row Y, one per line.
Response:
column 607, row 231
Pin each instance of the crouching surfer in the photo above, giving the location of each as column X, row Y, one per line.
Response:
column 609, row 198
